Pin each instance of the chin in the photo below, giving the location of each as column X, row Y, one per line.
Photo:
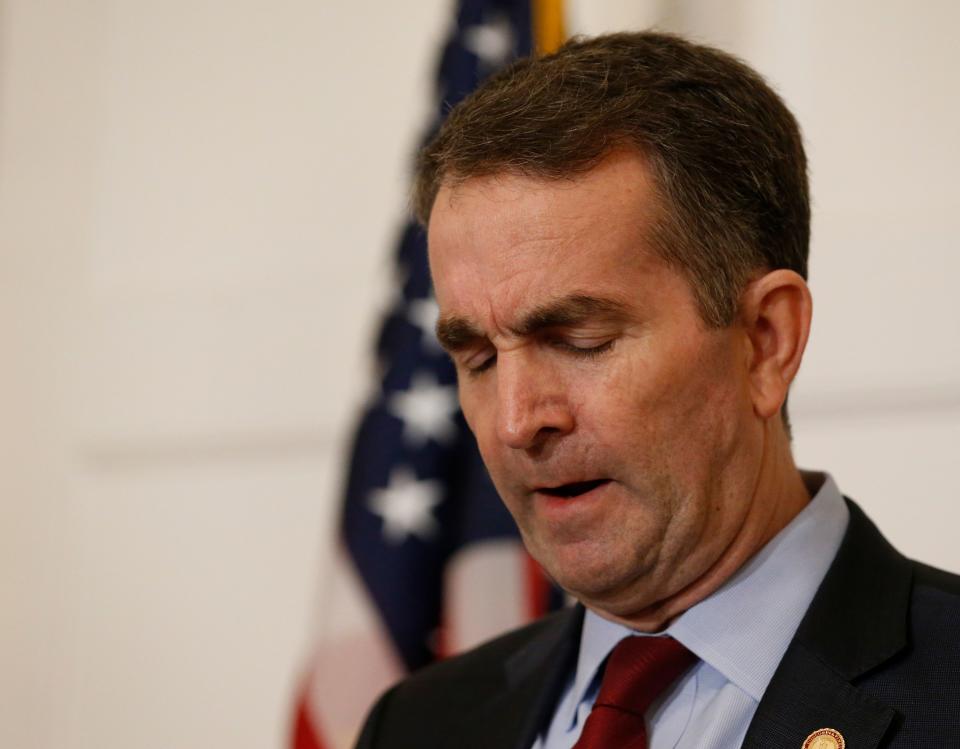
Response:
column 589, row 576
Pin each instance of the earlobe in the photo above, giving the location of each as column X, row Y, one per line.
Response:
column 776, row 310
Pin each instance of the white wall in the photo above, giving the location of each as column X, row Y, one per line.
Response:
column 197, row 202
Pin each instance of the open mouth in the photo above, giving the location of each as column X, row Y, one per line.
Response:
column 568, row 491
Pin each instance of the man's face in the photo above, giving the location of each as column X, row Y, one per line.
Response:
column 616, row 426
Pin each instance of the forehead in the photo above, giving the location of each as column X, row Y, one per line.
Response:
column 511, row 241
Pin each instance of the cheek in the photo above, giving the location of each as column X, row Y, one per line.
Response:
column 709, row 418
column 681, row 405
column 474, row 402
column 480, row 414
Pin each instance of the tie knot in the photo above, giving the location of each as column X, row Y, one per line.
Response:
column 639, row 669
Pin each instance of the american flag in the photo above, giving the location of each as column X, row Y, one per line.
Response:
column 429, row 562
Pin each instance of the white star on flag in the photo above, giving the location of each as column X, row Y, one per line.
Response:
column 492, row 41
column 424, row 313
column 427, row 410
column 406, row 506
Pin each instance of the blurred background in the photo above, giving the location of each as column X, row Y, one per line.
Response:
column 198, row 204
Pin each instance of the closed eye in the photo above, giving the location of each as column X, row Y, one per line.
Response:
column 584, row 351
column 480, row 363
column 477, row 365
column 483, row 366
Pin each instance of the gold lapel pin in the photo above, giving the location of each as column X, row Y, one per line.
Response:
column 825, row 738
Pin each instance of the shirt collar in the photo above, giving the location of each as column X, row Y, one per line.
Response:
column 744, row 627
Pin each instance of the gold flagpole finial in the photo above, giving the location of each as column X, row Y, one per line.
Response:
column 548, row 27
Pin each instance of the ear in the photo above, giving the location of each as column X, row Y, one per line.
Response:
column 775, row 311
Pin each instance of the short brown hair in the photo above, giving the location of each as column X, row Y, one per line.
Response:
column 726, row 153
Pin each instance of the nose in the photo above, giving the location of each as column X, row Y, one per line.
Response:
column 532, row 405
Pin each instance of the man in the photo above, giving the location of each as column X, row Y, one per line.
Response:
column 618, row 239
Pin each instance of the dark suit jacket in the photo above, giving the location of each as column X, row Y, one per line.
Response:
column 876, row 657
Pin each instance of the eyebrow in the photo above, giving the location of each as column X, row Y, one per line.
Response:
column 457, row 333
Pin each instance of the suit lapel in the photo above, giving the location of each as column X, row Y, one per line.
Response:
column 807, row 695
column 533, row 680
column 857, row 620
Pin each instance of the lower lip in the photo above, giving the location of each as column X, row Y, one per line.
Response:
column 551, row 504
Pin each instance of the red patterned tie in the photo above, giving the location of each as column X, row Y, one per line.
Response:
column 637, row 672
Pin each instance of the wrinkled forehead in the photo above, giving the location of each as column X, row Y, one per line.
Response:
column 503, row 245
column 511, row 209
column 621, row 175
column 488, row 222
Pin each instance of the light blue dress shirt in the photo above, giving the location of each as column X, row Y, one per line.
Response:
column 739, row 633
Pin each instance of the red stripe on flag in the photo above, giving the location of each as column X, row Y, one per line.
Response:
column 538, row 588
column 305, row 735
column 441, row 638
